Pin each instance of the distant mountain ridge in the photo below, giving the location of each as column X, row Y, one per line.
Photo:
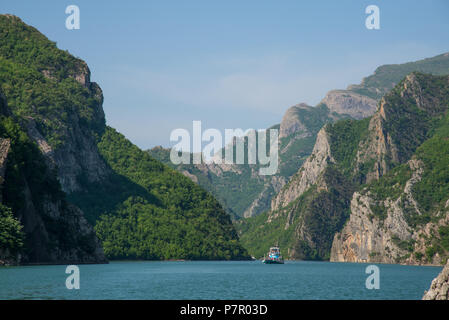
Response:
column 244, row 193
column 369, row 192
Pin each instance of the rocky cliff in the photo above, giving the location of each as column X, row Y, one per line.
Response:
column 76, row 159
column 292, row 122
column 382, row 180
column 388, row 223
column 67, row 170
column 308, row 174
column 368, row 237
column 298, row 131
column 55, row 231
column 65, row 124
column 439, row 289
column 355, row 105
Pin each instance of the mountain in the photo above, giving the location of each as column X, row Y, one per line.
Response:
column 407, row 217
column 139, row 208
column 244, row 193
column 373, row 190
column 37, row 223
column 239, row 187
column 387, row 76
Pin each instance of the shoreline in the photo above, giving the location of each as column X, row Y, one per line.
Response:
column 204, row 260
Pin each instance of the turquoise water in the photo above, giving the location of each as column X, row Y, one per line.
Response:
column 216, row 280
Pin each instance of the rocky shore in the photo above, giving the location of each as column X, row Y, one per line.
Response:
column 439, row 289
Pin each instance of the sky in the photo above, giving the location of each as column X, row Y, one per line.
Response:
column 230, row 64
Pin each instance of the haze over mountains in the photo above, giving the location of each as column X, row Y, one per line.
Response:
column 244, row 193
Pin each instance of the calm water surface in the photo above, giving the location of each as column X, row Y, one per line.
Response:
column 216, row 280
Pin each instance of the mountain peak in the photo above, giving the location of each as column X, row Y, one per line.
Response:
column 350, row 103
column 292, row 120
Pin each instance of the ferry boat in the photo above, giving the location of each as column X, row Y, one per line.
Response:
column 274, row 256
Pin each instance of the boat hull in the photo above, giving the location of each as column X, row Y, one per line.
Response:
column 270, row 261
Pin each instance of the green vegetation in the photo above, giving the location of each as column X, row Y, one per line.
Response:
column 257, row 235
column 140, row 230
column 327, row 213
column 11, row 234
column 387, row 76
column 404, row 115
column 31, row 190
column 391, row 185
column 236, row 191
column 27, row 46
column 319, row 214
column 432, row 191
column 142, row 209
column 403, row 244
column 444, row 236
column 379, row 211
column 39, row 82
column 426, row 139
column 438, row 243
column 345, row 136
column 149, row 211
column 26, row 167
column 316, row 217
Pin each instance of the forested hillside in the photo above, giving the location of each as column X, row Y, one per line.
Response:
column 140, row 208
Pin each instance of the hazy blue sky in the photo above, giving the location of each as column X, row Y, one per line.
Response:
column 231, row 64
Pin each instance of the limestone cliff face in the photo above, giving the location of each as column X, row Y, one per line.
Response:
column 66, row 128
column 55, row 230
column 378, row 149
column 439, row 289
column 5, row 145
column 308, row 174
column 44, row 226
column 368, row 237
column 77, row 157
column 371, row 220
column 6, row 257
column 272, row 186
column 353, row 104
column 292, row 123
column 365, row 238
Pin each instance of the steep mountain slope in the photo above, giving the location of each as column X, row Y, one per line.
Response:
column 60, row 110
column 244, row 193
column 51, row 91
column 406, row 214
column 37, row 224
column 240, row 188
column 152, row 211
